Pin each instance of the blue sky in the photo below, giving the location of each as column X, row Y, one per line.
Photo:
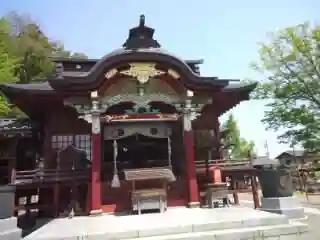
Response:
column 224, row 33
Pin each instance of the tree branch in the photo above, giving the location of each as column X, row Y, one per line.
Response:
column 307, row 91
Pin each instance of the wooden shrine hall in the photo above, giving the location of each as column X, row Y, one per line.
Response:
column 124, row 132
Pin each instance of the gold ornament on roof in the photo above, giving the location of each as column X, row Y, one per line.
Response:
column 173, row 73
column 111, row 73
column 142, row 71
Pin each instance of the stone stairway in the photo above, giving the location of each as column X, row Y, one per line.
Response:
column 291, row 231
column 9, row 230
column 234, row 223
column 272, row 227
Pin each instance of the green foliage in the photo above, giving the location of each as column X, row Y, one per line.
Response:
column 35, row 49
column 8, row 61
column 290, row 62
column 317, row 175
column 61, row 52
column 26, row 54
column 78, row 55
column 238, row 147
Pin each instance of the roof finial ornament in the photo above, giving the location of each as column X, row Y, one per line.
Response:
column 141, row 36
column 142, row 20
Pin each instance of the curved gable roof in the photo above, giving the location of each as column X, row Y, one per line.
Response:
column 92, row 79
column 139, row 47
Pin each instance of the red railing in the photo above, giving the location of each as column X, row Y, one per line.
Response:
column 201, row 165
column 50, row 175
column 57, row 175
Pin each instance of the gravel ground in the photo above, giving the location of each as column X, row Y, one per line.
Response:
column 313, row 222
column 313, row 219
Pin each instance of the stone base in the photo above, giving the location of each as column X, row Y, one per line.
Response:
column 7, row 201
column 289, row 206
column 96, row 212
column 9, row 229
column 194, row 204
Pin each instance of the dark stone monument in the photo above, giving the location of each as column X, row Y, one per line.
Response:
column 8, row 223
column 276, row 182
column 277, row 189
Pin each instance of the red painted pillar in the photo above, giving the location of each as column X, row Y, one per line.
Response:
column 189, row 146
column 95, row 203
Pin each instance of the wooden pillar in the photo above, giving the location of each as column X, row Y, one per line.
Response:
column 234, row 188
column 208, row 158
column 255, row 193
column 56, row 198
column 46, row 194
column 95, row 201
column 189, row 146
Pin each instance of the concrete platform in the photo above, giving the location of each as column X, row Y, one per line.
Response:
column 9, row 229
column 236, row 223
column 289, row 206
column 8, row 224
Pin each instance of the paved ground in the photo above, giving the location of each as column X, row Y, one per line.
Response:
column 312, row 209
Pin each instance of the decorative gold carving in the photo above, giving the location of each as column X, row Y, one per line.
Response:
column 111, row 73
column 96, row 124
column 173, row 73
column 142, row 71
column 94, row 94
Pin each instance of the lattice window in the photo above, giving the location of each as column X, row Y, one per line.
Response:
column 84, row 142
column 61, row 141
column 81, row 141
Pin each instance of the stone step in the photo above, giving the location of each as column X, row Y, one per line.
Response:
column 176, row 223
column 13, row 234
column 8, row 224
column 290, row 231
column 165, row 230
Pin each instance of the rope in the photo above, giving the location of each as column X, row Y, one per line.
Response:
column 115, row 180
column 169, row 152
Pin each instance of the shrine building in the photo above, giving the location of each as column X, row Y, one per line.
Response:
column 135, row 124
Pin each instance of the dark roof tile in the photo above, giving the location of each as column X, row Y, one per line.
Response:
column 293, row 153
column 43, row 86
column 17, row 125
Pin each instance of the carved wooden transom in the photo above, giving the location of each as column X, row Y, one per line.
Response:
column 127, row 90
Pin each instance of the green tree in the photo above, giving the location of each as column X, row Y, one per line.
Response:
column 26, row 54
column 32, row 47
column 61, row 52
column 78, row 55
column 238, row 148
column 247, row 148
column 35, row 49
column 8, row 61
column 290, row 64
